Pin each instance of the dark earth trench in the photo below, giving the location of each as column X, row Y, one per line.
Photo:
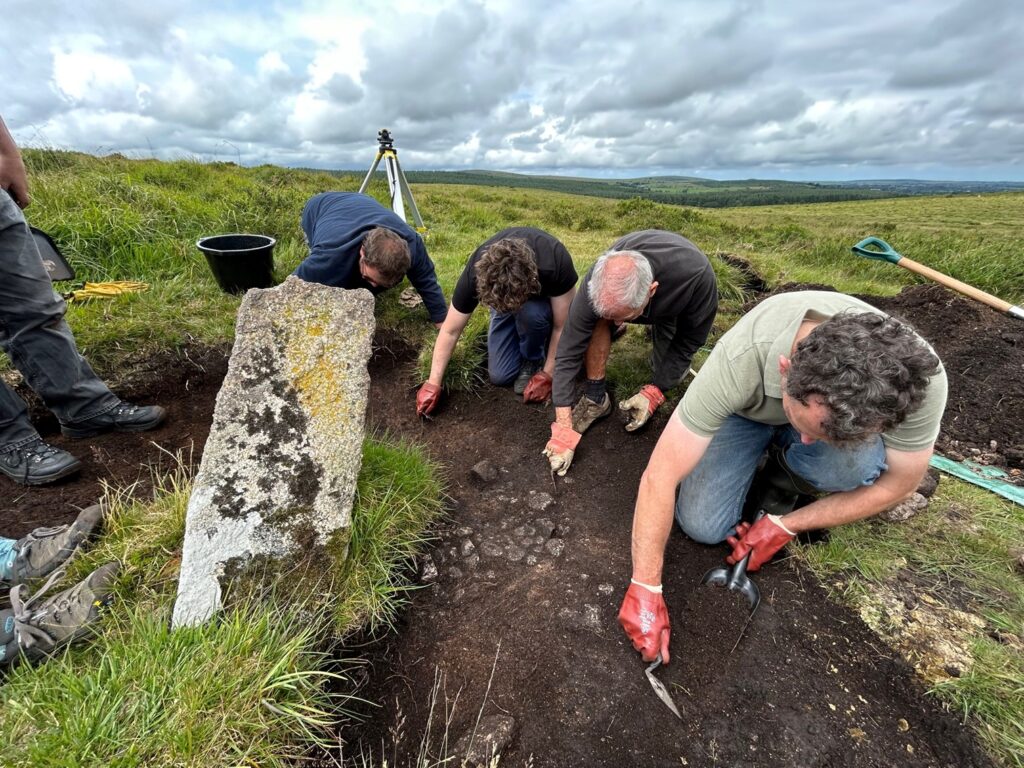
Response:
column 521, row 619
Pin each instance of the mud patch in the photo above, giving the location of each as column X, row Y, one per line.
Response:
column 185, row 383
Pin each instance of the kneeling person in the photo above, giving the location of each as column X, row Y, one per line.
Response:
column 355, row 242
column 846, row 400
column 527, row 279
column 654, row 278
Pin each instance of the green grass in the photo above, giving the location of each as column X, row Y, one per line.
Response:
column 255, row 686
column 139, row 219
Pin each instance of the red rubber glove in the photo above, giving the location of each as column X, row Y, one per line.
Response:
column 644, row 617
column 641, row 406
column 538, row 389
column 426, row 398
column 764, row 538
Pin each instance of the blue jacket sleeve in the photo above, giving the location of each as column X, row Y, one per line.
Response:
column 424, row 279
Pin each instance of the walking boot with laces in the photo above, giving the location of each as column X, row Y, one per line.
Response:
column 33, row 628
column 45, row 549
column 586, row 412
column 124, row 417
column 37, row 463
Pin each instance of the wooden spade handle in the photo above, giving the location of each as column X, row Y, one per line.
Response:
column 950, row 282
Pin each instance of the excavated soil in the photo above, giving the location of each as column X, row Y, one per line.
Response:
column 521, row 618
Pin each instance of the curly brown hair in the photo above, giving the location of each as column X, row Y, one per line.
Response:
column 506, row 275
column 870, row 370
column 388, row 253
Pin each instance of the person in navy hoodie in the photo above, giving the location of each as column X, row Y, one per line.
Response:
column 355, row 242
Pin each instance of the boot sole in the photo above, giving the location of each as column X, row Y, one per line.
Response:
column 45, row 479
column 79, row 433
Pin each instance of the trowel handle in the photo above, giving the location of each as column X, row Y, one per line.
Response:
column 740, row 569
column 738, row 572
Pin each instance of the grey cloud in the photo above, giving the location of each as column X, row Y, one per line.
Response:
column 343, row 89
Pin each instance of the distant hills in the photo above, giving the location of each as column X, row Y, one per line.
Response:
column 709, row 193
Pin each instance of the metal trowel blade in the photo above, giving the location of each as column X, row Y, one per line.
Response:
column 660, row 689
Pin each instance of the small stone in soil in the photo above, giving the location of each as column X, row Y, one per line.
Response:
column 605, row 589
column 473, row 561
column 905, row 510
column 554, row 547
column 540, row 501
column 492, row 736
column 428, row 570
column 515, row 553
column 467, row 548
column 929, row 483
column 484, row 472
column 592, row 617
column 544, row 527
column 491, row 548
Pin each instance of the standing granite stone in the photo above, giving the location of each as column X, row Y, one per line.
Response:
column 279, row 469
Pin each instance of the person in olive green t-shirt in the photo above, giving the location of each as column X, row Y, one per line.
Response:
column 850, row 402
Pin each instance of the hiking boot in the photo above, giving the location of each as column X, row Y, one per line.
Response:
column 37, row 463
column 45, row 549
column 526, row 372
column 125, row 417
column 586, row 412
column 40, row 628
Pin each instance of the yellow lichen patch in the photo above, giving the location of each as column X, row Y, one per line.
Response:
column 934, row 637
column 319, row 371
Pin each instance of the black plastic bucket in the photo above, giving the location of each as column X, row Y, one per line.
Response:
column 240, row 262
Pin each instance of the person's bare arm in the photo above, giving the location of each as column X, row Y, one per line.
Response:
column 906, row 469
column 451, row 329
column 559, row 312
column 12, row 169
column 674, row 457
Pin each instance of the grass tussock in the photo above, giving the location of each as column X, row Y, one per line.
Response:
column 255, row 686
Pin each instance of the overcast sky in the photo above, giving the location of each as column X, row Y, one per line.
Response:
column 791, row 89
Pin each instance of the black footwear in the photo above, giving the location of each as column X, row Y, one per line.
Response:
column 45, row 549
column 40, row 628
column 37, row 463
column 123, row 418
column 527, row 371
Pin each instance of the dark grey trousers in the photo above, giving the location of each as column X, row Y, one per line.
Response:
column 33, row 333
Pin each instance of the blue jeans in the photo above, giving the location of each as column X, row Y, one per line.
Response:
column 33, row 333
column 514, row 337
column 710, row 499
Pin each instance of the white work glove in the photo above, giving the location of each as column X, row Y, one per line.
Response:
column 641, row 406
column 561, row 448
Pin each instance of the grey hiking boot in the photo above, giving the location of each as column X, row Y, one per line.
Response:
column 32, row 629
column 526, row 372
column 37, row 463
column 586, row 412
column 45, row 549
column 124, row 417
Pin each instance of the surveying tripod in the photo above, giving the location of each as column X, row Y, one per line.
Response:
column 396, row 179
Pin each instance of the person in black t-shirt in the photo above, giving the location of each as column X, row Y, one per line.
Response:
column 527, row 279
